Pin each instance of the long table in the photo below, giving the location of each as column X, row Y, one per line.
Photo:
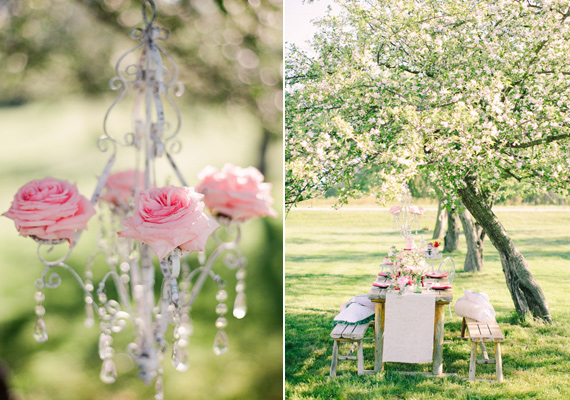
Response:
column 443, row 298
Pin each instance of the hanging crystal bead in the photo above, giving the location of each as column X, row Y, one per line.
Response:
column 40, row 331
column 104, row 342
column 159, row 389
column 40, row 310
column 179, row 357
column 108, row 371
column 221, row 344
column 221, row 295
column 221, row 309
column 39, row 296
column 89, row 320
column 241, row 274
column 240, row 306
column 221, row 322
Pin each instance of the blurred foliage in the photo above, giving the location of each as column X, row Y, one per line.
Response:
column 229, row 51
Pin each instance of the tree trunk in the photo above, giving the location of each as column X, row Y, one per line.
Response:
column 440, row 224
column 451, row 241
column 474, row 237
column 262, row 163
column 525, row 291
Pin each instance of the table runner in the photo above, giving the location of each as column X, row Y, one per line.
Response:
column 409, row 328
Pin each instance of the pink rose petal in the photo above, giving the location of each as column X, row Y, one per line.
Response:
column 169, row 217
column 50, row 209
column 237, row 193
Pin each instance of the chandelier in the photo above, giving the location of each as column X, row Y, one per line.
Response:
column 406, row 216
column 144, row 224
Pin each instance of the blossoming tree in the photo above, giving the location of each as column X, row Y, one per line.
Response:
column 475, row 92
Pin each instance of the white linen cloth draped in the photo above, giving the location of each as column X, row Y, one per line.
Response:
column 409, row 328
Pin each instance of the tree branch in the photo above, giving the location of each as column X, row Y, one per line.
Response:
column 538, row 142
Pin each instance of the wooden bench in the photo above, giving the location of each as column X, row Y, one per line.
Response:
column 349, row 333
column 479, row 334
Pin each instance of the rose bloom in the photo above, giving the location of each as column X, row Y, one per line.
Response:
column 50, row 209
column 169, row 217
column 402, row 281
column 395, row 210
column 121, row 186
column 237, row 193
column 416, row 210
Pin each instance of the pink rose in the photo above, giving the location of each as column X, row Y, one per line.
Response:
column 395, row 210
column 237, row 193
column 416, row 210
column 121, row 186
column 402, row 281
column 169, row 217
column 50, row 209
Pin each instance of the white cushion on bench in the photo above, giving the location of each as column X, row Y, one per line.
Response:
column 481, row 313
column 354, row 314
column 360, row 299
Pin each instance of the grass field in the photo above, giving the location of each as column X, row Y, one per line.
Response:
column 333, row 255
column 58, row 138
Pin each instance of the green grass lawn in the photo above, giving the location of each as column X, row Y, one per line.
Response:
column 333, row 255
column 59, row 139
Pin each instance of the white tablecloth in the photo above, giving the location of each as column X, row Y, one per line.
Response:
column 409, row 328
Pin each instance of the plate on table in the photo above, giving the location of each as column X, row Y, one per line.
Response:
column 443, row 287
column 382, row 274
column 437, row 275
column 381, row 285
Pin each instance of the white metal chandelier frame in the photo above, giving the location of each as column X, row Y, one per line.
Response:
column 154, row 81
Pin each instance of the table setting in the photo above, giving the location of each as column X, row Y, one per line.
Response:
column 410, row 303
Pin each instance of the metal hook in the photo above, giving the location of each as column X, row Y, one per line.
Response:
column 144, row 11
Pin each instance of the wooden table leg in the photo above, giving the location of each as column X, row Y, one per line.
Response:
column 378, row 336
column 438, row 339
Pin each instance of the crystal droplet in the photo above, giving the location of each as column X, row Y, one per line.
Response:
column 40, row 331
column 179, row 357
column 108, row 371
column 240, row 307
column 221, row 344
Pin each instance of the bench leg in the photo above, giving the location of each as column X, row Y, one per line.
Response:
column 473, row 361
column 498, row 362
column 360, row 357
column 334, row 358
column 463, row 327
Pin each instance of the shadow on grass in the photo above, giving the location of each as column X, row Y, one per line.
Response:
column 308, row 351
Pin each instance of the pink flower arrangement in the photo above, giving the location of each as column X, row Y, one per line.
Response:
column 395, row 210
column 169, row 217
column 408, row 267
column 121, row 186
column 236, row 193
column 50, row 209
column 416, row 210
